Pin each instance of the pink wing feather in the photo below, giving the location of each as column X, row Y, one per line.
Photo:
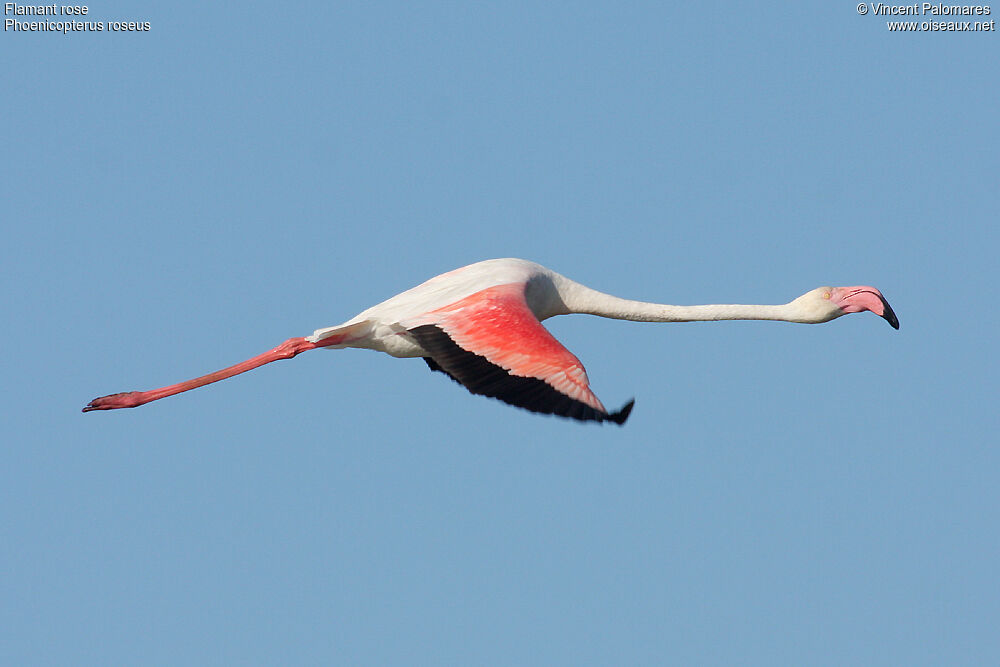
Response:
column 493, row 344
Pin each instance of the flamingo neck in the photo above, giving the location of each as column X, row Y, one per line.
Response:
column 580, row 299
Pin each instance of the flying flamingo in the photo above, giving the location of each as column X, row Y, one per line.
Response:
column 481, row 326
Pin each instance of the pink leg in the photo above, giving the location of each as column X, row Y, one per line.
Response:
column 131, row 399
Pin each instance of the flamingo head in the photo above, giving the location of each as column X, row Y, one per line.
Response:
column 826, row 303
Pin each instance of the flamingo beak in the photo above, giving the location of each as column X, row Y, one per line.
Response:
column 861, row 298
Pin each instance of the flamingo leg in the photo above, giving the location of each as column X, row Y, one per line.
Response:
column 131, row 399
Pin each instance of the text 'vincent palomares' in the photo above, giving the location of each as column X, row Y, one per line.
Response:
column 929, row 9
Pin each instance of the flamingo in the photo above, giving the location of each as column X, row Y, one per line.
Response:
column 481, row 326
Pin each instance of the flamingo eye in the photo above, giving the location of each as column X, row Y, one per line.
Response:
column 826, row 295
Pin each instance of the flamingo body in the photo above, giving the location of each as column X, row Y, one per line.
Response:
column 442, row 293
column 481, row 326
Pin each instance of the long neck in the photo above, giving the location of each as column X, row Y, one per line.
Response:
column 580, row 299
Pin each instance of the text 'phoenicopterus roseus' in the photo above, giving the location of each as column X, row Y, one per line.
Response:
column 481, row 326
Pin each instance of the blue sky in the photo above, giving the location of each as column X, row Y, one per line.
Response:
column 178, row 200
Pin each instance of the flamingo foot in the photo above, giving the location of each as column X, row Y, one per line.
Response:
column 127, row 399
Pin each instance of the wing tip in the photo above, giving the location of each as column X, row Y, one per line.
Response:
column 622, row 414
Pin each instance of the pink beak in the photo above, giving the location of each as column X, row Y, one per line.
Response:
column 862, row 297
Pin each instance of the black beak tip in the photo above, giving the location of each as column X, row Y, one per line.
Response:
column 889, row 316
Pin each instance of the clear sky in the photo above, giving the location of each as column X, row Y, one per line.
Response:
column 179, row 199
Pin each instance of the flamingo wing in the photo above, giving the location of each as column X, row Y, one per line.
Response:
column 493, row 344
